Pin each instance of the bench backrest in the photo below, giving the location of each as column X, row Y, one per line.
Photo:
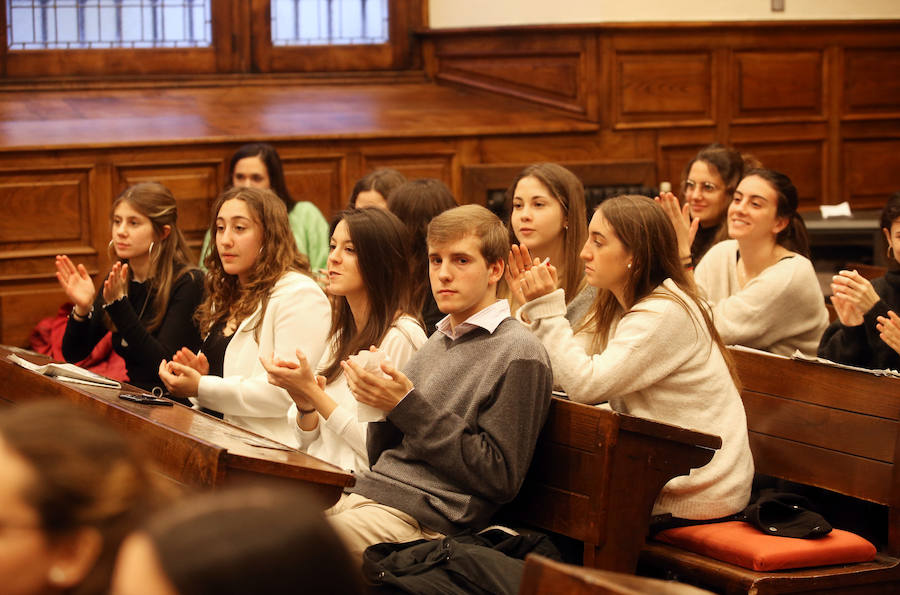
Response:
column 823, row 426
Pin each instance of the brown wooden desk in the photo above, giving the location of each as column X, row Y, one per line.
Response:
column 596, row 474
column 189, row 447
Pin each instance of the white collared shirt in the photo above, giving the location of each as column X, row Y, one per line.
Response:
column 487, row 318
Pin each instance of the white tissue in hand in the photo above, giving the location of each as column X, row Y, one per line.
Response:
column 370, row 361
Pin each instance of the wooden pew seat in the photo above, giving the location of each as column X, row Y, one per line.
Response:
column 543, row 576
column 596, row 474
column 825, row 427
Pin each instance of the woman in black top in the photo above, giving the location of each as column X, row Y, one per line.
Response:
column 150, row 295
column 855, row 338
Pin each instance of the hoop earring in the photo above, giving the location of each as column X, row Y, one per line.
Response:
column 57, row 575
column 150, row 251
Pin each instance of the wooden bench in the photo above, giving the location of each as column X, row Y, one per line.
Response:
column 822, row 426
column 596, row 474
column 188, row 447
column 543, row 576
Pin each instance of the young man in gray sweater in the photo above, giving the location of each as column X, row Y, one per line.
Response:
column 463, row 419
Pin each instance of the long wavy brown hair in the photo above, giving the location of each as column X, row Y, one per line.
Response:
column 170, row 257
column 381, row 242
column 646, row 232
column 226, row 298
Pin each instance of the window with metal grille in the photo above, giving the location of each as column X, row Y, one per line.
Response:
column 105, row 24
column 329, row 22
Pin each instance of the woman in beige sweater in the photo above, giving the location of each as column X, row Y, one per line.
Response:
column 761, row 283
column 649, row 348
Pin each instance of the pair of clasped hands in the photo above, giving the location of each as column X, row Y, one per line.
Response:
column 529, row 278
column 182, row 377
column 852, row 296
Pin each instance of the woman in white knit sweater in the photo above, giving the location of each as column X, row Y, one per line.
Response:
column 649, row 348
column 369, row 279
column 761, row 283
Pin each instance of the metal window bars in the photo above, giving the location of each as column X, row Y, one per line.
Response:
column 105, row 24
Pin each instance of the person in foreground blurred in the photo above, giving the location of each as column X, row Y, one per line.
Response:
column 252, row 540
column 71, row 489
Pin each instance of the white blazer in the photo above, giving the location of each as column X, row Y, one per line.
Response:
column 298, row 316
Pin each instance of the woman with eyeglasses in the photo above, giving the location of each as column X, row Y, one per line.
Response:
column 708, row 183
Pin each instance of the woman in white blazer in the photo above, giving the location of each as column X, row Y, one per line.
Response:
column 261, row 302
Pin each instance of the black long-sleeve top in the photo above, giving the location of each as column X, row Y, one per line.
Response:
column 141, row 350
column 860, row 345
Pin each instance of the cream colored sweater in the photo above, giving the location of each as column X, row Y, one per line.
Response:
column 780, row 310
column 659, row 363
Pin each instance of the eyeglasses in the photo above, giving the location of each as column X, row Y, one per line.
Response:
column 706, row 188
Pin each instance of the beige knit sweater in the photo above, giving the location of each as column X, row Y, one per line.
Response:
column 659, row 363
column 780, row 310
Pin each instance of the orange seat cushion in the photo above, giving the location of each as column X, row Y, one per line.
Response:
column 739, row 543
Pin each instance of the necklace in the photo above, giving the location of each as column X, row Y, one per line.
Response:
column 122, row 340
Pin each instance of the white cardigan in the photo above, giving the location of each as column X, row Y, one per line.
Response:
column 780, row 310
column 341, row 439
column 298, row 316
column 659, row 363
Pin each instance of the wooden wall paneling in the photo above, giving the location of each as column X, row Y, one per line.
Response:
column 479, row 180
column 782, row 85
column 871, row 83
column 414, row 161
column 833, row 177
column 20, row 311
column 550, row 70
column 319, row 180
column 664, row 88
column 605, row 145
column 194, row 182
column 676, row 147
column 804, row 162
column 48, row 212
column 870, row 169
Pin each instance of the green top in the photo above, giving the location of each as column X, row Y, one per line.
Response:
column 310, row 231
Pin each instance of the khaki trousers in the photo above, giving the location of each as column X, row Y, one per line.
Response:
column 361, row 522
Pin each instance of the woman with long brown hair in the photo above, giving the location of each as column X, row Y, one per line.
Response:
column 547, row 222
column 148, row 298
column 260, row 301
column 368, row 280
column 649, row 348
column 761, row 283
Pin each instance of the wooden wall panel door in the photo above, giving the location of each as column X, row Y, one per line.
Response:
column 318, row 180
column 427, row 164
column 47, row 211
column 547, row 70
column 194, row 183
column 803, row 162
column 777, row 85
column 871, row 81
column 652, row 89
column 870, row 169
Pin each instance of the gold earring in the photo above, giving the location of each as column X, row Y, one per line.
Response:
column 57, row 575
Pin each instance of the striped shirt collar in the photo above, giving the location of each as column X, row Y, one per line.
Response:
column 487, row 318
